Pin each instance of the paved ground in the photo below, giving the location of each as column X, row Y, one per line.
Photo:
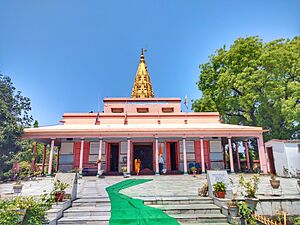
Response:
column 175, row 185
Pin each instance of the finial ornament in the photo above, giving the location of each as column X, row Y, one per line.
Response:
column 142, row 87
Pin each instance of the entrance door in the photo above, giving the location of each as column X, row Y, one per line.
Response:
column 271, row 160
column 114, row 157
column 144, row 152
column 172, row 156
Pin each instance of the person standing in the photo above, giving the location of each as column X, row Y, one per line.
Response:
column 137, row 165
column 161, row 163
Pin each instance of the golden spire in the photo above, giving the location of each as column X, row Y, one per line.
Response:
column 142, row 87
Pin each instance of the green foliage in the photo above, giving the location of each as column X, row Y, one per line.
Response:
column 60, row 186
column 295, row 220
column 250, row 186
column 14, row 116
column 256, row 84
column 35, row 210
column 246, row 213
column 219, row 186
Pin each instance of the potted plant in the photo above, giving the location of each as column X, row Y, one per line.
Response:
column 233, row 207
column 246, row 213
column 220, row 189
column 124, row 170
column 17, row 187
column 250, row 187
column 274, row 183
column 298, row 182
column 194, row 171
column 59, row 190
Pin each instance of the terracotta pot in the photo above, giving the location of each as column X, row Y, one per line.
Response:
column 194, row 173
column 220, row 194
column 275, row 184
column 17, row 188
column 59, row 196
column 251, row 202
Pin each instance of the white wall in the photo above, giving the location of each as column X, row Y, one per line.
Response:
column 280, row 158
column 293, row 157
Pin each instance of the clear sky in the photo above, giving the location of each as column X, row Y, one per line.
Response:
column 64, row 54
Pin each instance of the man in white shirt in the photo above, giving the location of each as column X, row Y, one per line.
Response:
column 161, row 163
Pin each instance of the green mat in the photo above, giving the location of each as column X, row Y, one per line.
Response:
column 127, row 210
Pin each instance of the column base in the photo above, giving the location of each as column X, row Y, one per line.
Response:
column 156, row 173
column 185, row 173
column 49, row 175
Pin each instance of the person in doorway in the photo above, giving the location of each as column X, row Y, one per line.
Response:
column 161, row 163
column 137, row 166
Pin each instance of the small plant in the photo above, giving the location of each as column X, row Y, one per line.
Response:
column 124, row 169
column 246, row 213
column 250, row 186
column 59, row 190
column 220, row 189
column 194, row 169
column 203, row 191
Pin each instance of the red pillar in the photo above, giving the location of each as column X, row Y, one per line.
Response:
column 57, row 159
column 238, row 156
column 33, row 158
column 247, row 155
column 44, row 159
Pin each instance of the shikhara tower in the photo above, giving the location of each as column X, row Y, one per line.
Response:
column 142, row 87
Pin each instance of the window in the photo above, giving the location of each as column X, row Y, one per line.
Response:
column 142, row 110
column 94, row 148
column 117, row 110
column 167, row 109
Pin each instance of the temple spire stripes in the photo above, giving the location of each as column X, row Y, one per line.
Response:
column 142, row 87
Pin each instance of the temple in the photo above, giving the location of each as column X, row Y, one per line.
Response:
column 144, row 127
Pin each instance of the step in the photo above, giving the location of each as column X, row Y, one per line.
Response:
column 206, row 218
column 176, row 200
column 189, row 209
column 96, row 202
column 87, row 211
column 85, row 220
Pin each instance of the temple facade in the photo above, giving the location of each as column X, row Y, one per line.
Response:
column 145, row 127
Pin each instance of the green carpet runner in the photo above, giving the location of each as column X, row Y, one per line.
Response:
column 127, row 210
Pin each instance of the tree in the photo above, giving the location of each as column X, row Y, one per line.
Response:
column 14, row 116
column 256, row 84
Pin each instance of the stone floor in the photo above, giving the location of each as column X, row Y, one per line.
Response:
column 173, row 185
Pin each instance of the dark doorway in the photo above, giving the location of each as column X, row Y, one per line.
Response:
column 173, row 155
column 271, row 160
column 114, row 157
column 144, row 151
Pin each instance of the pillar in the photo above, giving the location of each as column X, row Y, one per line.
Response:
column 184, row 157
column 156, row 157
column 230, row 155
column 99, row 157
column 247, row 155
column 57, row 159
column 128, row 155
column 238, row 156
column 44, row 159
column 262, row 156
column 81, row 156
column 51, row 158
column 202, row 155
column 33, row 158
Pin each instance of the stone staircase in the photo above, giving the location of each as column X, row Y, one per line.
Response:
column 189, row 210
column 87, row 211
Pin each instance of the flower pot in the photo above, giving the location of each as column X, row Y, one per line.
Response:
column 59, row 196
column 233, row 211
column 194, row 173
column 17, row 188
column 251, row 202
column 298, row 182
column 275, row 184
column 220, row 194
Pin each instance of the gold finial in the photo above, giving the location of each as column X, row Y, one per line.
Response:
column 142, row 87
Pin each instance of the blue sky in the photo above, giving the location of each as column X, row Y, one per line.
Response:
column 64, row 54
